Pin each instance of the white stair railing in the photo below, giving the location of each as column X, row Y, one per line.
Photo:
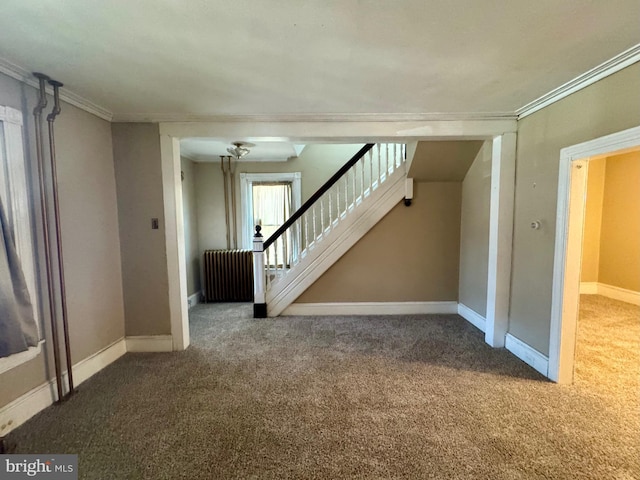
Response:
column 337, row 199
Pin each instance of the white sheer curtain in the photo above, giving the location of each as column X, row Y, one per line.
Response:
column 18, row 328
column 271, row 207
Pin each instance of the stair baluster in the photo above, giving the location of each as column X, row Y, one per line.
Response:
column 348, row 188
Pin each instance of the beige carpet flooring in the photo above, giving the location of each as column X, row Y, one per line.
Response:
column 351, row 397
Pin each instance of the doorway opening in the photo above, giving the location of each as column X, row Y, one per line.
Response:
column 570, row 238
column 501, row 133
column 607, row 358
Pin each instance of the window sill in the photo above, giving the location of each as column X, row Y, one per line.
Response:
column 12, row 361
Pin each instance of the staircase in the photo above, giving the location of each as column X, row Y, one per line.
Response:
column 339, row 214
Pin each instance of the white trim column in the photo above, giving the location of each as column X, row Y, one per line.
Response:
column 259, row 291
column 503, row 168
column 174, row 238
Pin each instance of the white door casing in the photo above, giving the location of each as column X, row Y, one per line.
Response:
column 568, row 245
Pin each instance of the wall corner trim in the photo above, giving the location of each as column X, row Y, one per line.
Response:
column 149, row 343
column 471, row 316
column 371, row 308
column 527, row 354
column 23, row 408
column 174, row 240
column 499, row 259
column 194, row 299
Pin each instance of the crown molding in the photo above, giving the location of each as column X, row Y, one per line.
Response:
column 611, row 66
column 311, row 117
column 24, row 76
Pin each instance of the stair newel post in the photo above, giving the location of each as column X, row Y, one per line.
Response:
column 259, row 296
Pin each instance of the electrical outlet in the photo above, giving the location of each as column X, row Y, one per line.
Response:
column 154, row 224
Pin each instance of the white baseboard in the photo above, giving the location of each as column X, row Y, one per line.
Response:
column 618, row 293
column 610, row 291
column 23, row 408
column 527, row 354
column 588, row 288
column 96, row 362
column 150, row 343
column 193, row 300
column 371, row 308
column 471, row 316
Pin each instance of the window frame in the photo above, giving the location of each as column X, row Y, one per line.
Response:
column 246, row 205
column 17, row 202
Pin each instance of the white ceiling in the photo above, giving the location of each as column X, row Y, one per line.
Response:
column 209, row 150
column 153, row 58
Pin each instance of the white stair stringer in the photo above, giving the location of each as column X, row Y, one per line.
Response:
column 336, row 243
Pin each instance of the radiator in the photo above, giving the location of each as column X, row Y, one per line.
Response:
column 228, row 275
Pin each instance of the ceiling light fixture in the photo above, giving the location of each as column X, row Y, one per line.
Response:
column 240, row 149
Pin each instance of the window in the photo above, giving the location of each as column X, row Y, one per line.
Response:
column 267, row 199
column 271, row 204
column 271, row 208
column 17, row 225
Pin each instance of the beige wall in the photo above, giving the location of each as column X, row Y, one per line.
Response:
column 443, row 161
column 136, row 154
column 620, row 238
column 190, row 216
column 210, row 206
column 593, row 221
column 412, row 254
column 89, row 220
column 608, row 106
column 474, row 232
column 316, row 163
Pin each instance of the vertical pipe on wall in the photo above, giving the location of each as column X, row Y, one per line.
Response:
column 226, row 200
column 37, row 113
column 232, row 173
column 56, row 205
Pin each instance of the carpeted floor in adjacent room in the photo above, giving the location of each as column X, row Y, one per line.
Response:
column 354, row 397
